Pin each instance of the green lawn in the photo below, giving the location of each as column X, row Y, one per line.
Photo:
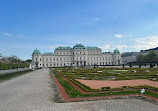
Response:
column 12, row 75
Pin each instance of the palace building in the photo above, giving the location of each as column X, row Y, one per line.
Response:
column 79, row 55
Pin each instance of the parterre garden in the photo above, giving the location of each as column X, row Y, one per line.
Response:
column 65, row 74
column 112, row 73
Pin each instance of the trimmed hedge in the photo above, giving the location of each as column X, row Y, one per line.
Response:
column 12, row 75
column 7, row 66
column 73, row 93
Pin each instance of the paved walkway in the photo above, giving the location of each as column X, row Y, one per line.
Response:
column 33, row 92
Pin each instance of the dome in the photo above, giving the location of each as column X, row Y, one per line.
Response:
column 36, row 51
column 93, row 48
column 63, row 48
column 116, row 51
column 79, row 46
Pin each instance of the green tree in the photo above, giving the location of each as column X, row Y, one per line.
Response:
column 29, row 60
column 14, row 58
column 139, row 58
column 1, row 56
column 152, row 56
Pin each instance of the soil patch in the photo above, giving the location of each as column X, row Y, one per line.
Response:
column 97, row 84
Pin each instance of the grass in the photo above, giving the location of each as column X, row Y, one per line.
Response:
column 112, row 73
column 74, row 93
column 152, row 94
column 12, row 75
column 71, row 91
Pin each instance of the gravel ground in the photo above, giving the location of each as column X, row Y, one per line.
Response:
column 34, row 92
column 97, row 84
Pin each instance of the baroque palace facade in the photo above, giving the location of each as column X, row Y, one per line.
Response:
column 79, row 55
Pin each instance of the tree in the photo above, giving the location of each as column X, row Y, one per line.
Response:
column 152, row 56
column 29, row 60
column 1, row 56
column 139, row 58
column 14, row 58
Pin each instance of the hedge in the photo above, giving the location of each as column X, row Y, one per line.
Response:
column 7, row 66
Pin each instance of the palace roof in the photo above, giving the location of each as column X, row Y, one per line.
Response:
column 36, row 51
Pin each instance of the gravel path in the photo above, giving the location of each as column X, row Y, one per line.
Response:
column 97, row 84
column 33, row 92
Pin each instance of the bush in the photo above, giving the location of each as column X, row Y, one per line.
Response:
column 6, row 66
column 105, row 88
column 124, row 87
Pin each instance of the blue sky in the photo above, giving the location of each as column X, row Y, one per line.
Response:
column 129, row 25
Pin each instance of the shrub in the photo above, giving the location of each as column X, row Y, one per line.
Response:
column 124, row 87
column 105, row 88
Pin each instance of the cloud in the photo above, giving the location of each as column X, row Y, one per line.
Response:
column 105, row 47
column 146, row 43
column 94, row 19
column 121, row 46
column 129, row 35
column 6, row 34
column 118, row 35
column 20, row 36
column 12, row 35
column 55, row 46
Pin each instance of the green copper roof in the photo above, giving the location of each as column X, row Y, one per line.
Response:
column 36, row 51
column 116, row 51
column 79, row 46
column 63, row 48
column 48, row 53
column 92, row 48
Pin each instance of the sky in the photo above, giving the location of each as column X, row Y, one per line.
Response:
column 128, row 25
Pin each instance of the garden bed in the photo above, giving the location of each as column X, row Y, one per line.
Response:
column 69, row 92
column 98, row 84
